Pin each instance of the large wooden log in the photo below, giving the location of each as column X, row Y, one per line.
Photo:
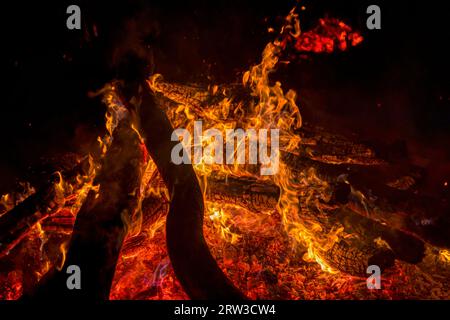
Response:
column 194, row 266
column 347, row 255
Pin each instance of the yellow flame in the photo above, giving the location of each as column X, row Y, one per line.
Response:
column 220, row 221
column 10, row 200
column 273, row 108
column 444, row 255
column 63, row 249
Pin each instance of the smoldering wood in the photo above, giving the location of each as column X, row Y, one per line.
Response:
column 245, row 192
column 16, row 224
column 375, row 199
column 259, row 197
column 100, row 226
column 331, row 156
column 193, row 264
column 153, row 208
column 348, row 256
column 351, row 256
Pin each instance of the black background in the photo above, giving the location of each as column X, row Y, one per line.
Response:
column 392, row 91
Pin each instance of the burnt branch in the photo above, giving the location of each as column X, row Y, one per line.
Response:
column 191, row 259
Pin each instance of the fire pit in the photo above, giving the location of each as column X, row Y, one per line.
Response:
column 140, row 226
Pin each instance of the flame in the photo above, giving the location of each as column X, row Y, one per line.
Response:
column 444, row 255
column 273, row 108
column 220, row 221
column 63, row 249
column 10, row 200
column 68, row 194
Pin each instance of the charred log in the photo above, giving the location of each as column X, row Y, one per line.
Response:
column 101, row 224
column 350, row 256
column 16, row 224
column 193, row 264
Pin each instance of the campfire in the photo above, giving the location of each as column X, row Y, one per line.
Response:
column 141, row 227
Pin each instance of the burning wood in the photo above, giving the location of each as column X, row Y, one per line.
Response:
column 106, row 216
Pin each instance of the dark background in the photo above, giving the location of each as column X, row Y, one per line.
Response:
column 392, row 91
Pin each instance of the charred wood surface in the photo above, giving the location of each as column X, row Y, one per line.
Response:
column 193, row 264
column 17, row 223
column 350, row 256
column 101, row 224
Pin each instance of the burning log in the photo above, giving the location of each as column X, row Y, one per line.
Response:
column 348, row 255
column 103, row 220
column 244, row 192
column 373, row 196
column 96, row 243
column 154, row 209
column 17, row 223
column 193, row 264
column 353, row 259
column 332, row 157
column 43, row 204
column 263, row 197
